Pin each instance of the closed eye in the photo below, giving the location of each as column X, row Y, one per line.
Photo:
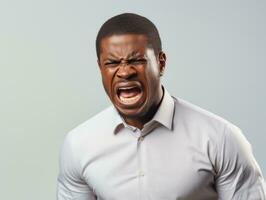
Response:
column 112, row 62
column 133, row 61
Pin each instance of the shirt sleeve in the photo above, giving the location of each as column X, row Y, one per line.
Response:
column 238, row 174
column 70, row 184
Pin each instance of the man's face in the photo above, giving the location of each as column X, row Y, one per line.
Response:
column 131, row 74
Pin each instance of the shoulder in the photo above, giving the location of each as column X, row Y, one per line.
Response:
column 91, row 129
column 204, row 126
column 186, row 111
column 94, row 123
column 223, row 141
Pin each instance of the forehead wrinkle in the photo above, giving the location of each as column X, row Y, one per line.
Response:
column 134, row 54
column 112, row 56
column 123, row 52
column 124, row 47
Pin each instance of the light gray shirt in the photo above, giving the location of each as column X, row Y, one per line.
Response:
column 183, row 153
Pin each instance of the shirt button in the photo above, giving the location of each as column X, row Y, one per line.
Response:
column 141, row 138
column 140, row 173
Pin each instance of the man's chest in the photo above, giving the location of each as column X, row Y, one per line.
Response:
column 150, row 168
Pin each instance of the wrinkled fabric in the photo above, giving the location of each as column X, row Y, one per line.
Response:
column 183, row 153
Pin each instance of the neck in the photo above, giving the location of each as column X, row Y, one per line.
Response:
column 140, row 121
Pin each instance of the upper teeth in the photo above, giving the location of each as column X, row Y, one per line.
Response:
column 126, row 88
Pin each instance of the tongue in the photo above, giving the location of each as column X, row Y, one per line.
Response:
column 129, row 93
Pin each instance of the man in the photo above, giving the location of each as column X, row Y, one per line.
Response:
column 149, row 145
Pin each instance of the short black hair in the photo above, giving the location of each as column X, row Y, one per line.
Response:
column 129, row 23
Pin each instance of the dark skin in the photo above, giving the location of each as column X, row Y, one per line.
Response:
column 131, row 76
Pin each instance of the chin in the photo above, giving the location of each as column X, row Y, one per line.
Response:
column 131, row 112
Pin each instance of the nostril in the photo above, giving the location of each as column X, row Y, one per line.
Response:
column 126, row 71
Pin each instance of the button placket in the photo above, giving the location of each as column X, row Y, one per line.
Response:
column 140, row 172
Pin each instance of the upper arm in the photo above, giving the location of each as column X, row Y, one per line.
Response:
column 238, row 174
column 70, row 184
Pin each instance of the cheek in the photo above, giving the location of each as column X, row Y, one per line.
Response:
column 107, row 81
column 152, row 76
column 153, row 66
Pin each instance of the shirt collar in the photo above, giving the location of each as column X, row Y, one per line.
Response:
column 165, row 112
column 163, row 116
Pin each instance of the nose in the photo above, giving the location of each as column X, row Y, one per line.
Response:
column 126, row 71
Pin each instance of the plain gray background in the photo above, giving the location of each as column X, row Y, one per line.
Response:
column 50, row 81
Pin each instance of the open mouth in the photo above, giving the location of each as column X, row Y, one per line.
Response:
column 129, row 95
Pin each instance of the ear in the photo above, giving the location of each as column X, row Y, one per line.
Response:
column 162, row 62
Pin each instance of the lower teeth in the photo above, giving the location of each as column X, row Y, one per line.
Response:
column 129, row 99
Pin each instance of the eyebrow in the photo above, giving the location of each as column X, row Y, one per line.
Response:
column 111, row 56
column 132, row 55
